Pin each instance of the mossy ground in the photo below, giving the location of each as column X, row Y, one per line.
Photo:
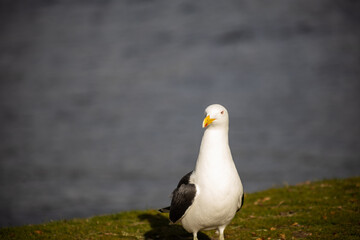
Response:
column 328, row 209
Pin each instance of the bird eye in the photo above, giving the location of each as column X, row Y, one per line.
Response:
column 222, row 112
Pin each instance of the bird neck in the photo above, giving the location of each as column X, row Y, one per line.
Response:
column 215, row 138
column 214, row 147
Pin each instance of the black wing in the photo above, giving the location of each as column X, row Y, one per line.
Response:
column 242, row 202
column 184, row 180
column 182, row 198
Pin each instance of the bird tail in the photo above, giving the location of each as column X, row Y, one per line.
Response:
column 164, row 210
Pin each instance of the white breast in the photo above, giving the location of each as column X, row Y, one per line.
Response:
column 218, row 185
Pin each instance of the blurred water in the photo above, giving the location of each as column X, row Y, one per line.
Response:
column 101, row 102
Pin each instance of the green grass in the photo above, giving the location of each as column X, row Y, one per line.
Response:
column 328, row 209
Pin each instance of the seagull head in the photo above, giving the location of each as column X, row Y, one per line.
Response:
column 216, row 115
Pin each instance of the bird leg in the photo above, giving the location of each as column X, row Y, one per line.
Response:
column 195, row 236
column 221, row 232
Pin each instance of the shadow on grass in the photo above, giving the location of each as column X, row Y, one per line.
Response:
column 160, row 229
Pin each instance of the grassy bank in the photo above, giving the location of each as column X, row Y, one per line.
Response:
column 327, row 209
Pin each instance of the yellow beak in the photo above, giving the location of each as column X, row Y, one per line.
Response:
column 207, row 121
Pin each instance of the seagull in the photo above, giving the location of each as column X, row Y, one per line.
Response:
column 208, row 197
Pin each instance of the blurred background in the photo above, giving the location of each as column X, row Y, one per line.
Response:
column 101, row 102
